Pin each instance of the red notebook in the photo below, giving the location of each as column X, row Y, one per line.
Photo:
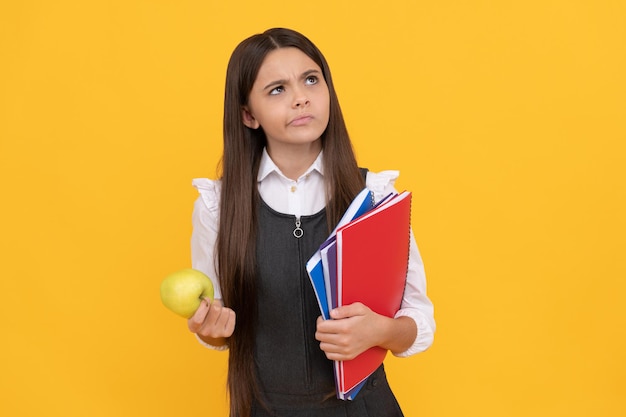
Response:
column 372, row 262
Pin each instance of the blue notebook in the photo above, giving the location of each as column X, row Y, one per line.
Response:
column 322, row 271
column 321, row 282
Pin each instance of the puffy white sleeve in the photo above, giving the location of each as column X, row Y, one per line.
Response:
column 415, row 302
column 205, row 220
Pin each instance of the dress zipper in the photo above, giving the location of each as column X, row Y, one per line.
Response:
column 298, row 232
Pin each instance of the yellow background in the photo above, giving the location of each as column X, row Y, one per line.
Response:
column 506, row 119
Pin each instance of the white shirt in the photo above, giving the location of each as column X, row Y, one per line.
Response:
column 301, row 197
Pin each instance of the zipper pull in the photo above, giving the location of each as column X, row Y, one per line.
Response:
column 298, row 232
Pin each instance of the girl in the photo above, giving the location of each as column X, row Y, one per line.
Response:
column 288, row 175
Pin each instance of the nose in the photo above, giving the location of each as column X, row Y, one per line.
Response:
column 300, row 100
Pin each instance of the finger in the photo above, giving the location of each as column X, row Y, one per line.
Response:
column 214, row 313
column 351, row 310
column 211, row 309
column 225, row 325
column 341, row 312
column 229, row 326
column 220, row 322
column 197, row 320
column 337, row 352
column 330, row 334
column 337, row 356
column 322, row 325
column 329, row 342
column 335, row 326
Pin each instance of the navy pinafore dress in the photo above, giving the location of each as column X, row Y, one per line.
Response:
column 295, row 377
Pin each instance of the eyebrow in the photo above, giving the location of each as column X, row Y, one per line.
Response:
column 305, row 74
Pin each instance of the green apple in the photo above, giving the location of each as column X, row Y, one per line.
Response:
column 183, row 291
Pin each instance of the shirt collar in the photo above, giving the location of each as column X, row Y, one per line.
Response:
column 267, row 166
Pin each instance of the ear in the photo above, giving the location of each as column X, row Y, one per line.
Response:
column 248, row 119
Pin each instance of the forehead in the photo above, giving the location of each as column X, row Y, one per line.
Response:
column 285, row 63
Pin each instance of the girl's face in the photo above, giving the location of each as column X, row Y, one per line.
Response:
column 289, row 100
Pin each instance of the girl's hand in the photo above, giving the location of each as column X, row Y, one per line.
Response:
column 353, row 329
column 212, row 322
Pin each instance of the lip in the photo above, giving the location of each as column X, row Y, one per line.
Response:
column 301, row 119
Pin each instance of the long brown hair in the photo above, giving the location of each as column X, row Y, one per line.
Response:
column 236, row 241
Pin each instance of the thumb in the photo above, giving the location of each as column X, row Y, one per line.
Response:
column 340, row 312
column 350, row 310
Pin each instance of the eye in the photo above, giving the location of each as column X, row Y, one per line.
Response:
column 277, row 90
column 311, row 80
